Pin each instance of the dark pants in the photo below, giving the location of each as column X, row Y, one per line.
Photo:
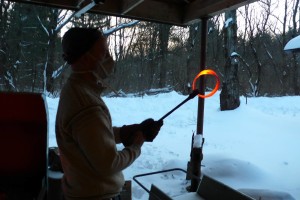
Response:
column 114, row 198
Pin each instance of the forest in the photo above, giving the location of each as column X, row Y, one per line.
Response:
column 244, row 47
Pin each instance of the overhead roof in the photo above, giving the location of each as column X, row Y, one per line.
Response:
column 177, row 12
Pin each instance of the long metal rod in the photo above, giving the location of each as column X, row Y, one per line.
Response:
column 191, row 96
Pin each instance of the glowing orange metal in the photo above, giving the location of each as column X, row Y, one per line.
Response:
column 207, row 72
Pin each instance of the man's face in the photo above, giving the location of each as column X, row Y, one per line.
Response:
column 102, row 61
column 100, row 50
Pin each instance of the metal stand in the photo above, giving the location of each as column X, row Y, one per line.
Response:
column 152, row 173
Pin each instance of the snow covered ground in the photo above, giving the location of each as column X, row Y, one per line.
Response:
column 254, row 146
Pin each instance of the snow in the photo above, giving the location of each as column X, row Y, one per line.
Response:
column 197, row 141
column 227, row 22
column 234, row 54
column 252, row 147
column 293, row 44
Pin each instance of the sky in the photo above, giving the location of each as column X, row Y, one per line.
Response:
column 255, row 146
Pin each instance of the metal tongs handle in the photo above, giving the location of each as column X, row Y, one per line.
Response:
column 191, row 96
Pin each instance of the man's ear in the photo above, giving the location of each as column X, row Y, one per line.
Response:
column 102, row 47
column 85, row 62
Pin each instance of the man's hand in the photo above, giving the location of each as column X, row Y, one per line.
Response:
column 151, row 128
column 128, row 134
column 138, row 139
column 148, row 127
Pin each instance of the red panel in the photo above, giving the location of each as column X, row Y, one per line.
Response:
column 22, row 106
column 23, row 134
column 22, row 148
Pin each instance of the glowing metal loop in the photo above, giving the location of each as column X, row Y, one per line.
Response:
column 207, row 72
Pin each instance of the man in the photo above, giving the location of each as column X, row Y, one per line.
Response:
column 85, row 136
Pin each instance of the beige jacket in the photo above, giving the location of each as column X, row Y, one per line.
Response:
column 87, row 142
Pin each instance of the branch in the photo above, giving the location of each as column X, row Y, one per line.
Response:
column 60, row 22
column 42, row 25
column 64, row 22
column 58, row 72
column 121, row 26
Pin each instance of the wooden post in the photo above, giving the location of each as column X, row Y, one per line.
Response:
column 196, row 152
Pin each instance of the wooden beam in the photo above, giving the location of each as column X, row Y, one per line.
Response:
column 176, row 12
column 128, row 5
column 155, row 11
column 200, row 9
column 158, row 11
column 62, row 4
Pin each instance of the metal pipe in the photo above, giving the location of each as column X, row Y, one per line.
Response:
column 153, row 173
column 191, row 96
column 196, row 153
column 201, row 81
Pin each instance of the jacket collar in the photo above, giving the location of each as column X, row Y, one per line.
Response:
column 95, row 85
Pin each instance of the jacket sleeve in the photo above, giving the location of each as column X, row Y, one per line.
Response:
column 93, row 132
column 116, row 131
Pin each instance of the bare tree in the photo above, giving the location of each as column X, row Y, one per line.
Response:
column 163, row 36
column 152, row 55
column 229, row 97
column 261, row 47
column 51, row 30
column 193, row 53
column 4, row 80
column 295, row 61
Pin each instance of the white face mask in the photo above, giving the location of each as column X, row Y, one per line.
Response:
column 102, row 71
column 105, row 68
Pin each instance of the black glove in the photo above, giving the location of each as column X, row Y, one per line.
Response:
column 150, row 129
column 127, row 133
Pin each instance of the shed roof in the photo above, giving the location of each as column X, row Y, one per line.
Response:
column 176, row 12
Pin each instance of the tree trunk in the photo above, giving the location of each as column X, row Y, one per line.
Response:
column 164, row 34
column 50, row 66
column 4, row 56
column 296, row 71
column 152, row 57
column 229, row 97
column 230, row 91
column 193, row 51
column 3, row 45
